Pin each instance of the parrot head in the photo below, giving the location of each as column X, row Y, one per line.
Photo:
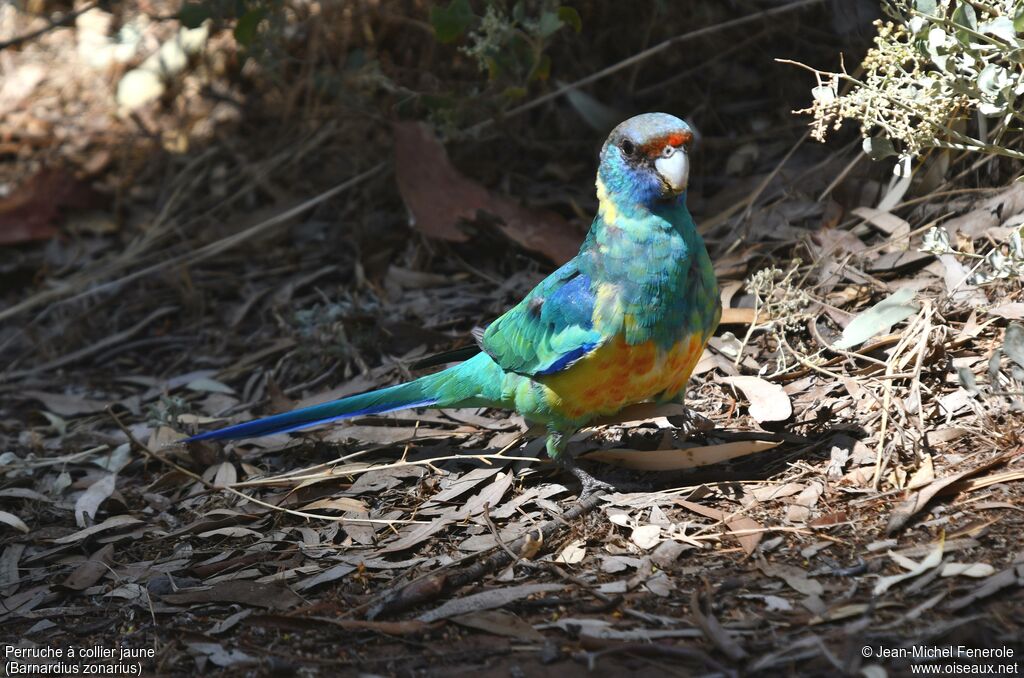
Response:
column 644, row 161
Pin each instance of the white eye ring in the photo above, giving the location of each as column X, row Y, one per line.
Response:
column 667, row 151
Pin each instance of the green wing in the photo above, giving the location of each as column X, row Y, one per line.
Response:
column 550, row 329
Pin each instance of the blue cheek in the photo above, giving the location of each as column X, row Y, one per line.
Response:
column 632, row 185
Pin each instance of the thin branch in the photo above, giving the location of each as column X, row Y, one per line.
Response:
column 648, row 53
column 230, row 241
column 139, row 446
column 64, row 20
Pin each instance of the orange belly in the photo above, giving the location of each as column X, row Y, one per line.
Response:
column 617, row 374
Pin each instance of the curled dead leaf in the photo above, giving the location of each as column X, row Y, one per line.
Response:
column 768, row 401
column 439, row 197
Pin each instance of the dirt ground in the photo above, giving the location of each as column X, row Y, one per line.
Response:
column 310, row 212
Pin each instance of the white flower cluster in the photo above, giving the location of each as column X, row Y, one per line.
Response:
column 1000, row 263
column 933, row 65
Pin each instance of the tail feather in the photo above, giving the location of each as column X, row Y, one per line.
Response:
column 399, row 397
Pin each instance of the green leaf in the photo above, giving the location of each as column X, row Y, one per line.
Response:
column 879, row 318
column 1013, row 343
column 519, row 12
column 192, row 15
column 1001, row 27
column 878, row 148
column 1018, row 20
column 964, row 15
column 925, row 7
column 548, row 24
column 245, row 29
column 514, row 93
column 993, row 79
column 451, row 22
column 571, row 17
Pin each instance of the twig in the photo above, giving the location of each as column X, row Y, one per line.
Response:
column 202, row 253
column 852, row 355
column 106, row 342
column 516, row 558
column 219, row 246
column 961, row 141
column 756, row 193
column 599, row 647
column 915, row 386
column 648, row 53
column 137, row 444
column 890, row 368
column 411, row 595
column 713, row 630
column 64, row 20
column 393, row 465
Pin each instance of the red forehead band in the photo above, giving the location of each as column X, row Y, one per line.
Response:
column 679, row 138
column 675, row 139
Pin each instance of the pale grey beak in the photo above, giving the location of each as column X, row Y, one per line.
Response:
column 674, row 169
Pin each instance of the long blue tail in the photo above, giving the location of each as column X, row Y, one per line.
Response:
column 400, row 397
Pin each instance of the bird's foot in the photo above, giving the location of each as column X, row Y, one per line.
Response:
column 589, row 484
column 691, row 423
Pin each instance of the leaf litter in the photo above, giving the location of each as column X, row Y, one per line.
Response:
column 844, row 442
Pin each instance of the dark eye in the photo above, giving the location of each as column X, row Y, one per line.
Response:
column 628, row 148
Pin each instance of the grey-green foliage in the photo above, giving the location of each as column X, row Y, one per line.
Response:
column 934, row 64
column 508, row 42
column 999, row 263
column 895, row 308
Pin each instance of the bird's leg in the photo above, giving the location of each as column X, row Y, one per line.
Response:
column 556, row 444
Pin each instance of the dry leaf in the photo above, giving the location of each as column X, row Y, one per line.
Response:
column 90, row 571
column 31, row 211
column 896, row 228
column 486, row 600
column 89, row 502
column 1011, row 310
column 646, row 536
column 418, row 533
column 768, row 401
column 338, row 504
column 66, row 405
column 111, row 523
column 573, row 552
column 271, row 596
column 913, row 568
column 439, row 197
column 328, row 575
column 676, row 459
column 796, row 578
column 13, row 520
column 747, row 530
column 222, row 657
column 909, row 508
column 225, row 475
column 967, row 570
column 500, row 623
column 1012, row 576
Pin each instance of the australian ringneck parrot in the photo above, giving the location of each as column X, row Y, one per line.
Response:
column 623, row 322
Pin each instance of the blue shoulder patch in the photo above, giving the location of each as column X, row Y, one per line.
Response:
column 571, row 304
column 567, row 359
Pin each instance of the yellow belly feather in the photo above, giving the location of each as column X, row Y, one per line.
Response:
column 617, row 374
